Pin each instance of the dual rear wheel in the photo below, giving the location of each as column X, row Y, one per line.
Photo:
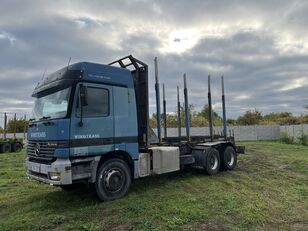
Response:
column 229, row 158
column 226, row 159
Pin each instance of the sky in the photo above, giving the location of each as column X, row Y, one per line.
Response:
column 261, row 48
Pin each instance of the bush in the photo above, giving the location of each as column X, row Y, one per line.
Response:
column 286, row 138
column 303, row 138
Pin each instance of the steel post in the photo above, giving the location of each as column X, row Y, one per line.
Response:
column 179, row 113
column 210, row 108
column 223, row 108
column 165, row 113
column 158, row 116
column 187, row 115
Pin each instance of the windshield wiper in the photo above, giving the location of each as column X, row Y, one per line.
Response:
column 45, row 118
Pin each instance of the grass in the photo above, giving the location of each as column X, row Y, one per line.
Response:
column 267, row 190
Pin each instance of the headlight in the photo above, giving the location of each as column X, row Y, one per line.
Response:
column 55, row 176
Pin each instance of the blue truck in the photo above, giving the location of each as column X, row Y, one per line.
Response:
column 91, row 125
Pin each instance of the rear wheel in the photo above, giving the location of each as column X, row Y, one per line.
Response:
column 5, row 148
column 229, row 158
column 17, row 147
column 212, row 162
column 113, row 180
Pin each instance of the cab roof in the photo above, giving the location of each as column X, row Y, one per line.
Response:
column 89, row 72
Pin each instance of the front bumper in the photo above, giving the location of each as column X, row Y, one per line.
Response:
column 43, row 172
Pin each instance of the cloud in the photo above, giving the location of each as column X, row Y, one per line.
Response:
column 260, row 47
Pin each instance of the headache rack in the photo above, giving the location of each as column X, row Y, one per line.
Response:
column 139, row 72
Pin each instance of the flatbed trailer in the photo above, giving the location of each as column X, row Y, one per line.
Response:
column 7, row 144
column 91, row 125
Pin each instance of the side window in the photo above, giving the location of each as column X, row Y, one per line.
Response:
column 98, row 103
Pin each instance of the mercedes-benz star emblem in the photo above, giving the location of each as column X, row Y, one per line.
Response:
column 37, row 149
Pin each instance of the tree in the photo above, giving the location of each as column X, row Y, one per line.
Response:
column 197, row 119
column 231, row 122
column 279, row 118
column 153, row 122
column 217, row 120
column 251, row 117
column 20, row 125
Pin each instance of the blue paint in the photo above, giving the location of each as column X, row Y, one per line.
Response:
column 120, row 122
column 57, row 130
column 62, row 152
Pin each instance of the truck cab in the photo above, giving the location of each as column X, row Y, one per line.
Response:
column 84, row 115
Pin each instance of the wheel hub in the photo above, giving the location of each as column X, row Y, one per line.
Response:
column 113, row 180
column 213, row 162
column 230, row 159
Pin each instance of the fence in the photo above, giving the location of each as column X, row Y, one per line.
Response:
column 241, row 133
column 254, row 132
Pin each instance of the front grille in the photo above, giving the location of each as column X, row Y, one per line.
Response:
column 45, row 152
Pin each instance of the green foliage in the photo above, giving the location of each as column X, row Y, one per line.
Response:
column 197, row 119
column 281, row 118
column 231, row 122
column 251, row 117
column 302, row 119
column 303, row 138
column 286, row 138
column 20, row 125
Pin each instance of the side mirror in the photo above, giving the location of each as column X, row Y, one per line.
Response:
column 83, row 96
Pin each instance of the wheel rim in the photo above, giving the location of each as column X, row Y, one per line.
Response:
column 230, row 159
column 213, row 162
column 113, row 180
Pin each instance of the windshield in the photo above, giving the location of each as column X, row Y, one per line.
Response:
column 52, row 106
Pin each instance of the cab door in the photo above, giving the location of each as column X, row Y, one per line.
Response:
column 92, row 126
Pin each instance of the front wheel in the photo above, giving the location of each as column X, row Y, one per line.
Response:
column 113, row 180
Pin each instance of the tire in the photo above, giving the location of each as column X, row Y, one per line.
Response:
column 113, row 180
column 229, row 158
column 5, row 148
column 212, row 162
column 17, row 147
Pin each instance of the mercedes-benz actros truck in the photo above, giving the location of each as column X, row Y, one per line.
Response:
column 91, row 125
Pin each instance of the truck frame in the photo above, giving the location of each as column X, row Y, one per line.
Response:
column 91, row 125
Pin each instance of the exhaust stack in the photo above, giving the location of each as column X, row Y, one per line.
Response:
column 165, row 113
column 179, row 114
column 210, row 108
column 186, row 110
column 157, row 101
column 223, row 108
